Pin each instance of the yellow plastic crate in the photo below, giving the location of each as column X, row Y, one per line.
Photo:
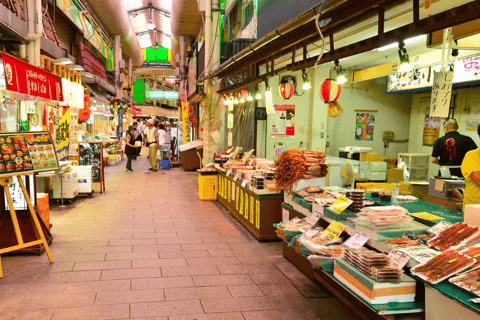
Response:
column 207, row 187
column 373, row 185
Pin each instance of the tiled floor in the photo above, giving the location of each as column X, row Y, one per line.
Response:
column 149, row 249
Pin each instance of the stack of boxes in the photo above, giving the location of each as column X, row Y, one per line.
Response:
column 394, row 174
column 84, row 176
column 416, row 164
column 70, row 185
column 43, row 208
column 373, row 170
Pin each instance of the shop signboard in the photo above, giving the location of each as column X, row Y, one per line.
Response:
column 185, row 121
column 465, row 71
column 91, row 154
column 120, row 123
column 27, row 79
column 168, row 95
column 26, row 152
column 73, row 148
column 431, row 128
column 73, row 94
column 62, row 136
column 441, row 93
column 283, row 121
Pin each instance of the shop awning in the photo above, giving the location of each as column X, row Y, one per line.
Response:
column 96, row 94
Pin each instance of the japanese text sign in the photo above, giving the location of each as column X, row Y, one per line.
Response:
column 334, row 230
column 398, row 259
column 27, row 79
column 441, row 94
column 341, row 204
column 358, row 240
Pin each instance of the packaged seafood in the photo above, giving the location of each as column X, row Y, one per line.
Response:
column 473, row 252
column 457, row 236
column 386, row 215
column 469, row 281
column 374, row 265
column 420, row 254
column 443, row 266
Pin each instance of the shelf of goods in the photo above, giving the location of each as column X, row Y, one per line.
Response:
column 257, row 212
column 457, row 301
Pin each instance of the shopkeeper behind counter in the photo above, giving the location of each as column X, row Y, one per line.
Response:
column 471, row 172
column 450, row 149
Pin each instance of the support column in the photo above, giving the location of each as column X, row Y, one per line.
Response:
column 181, row 64
column 118, row 57
column 130, row 77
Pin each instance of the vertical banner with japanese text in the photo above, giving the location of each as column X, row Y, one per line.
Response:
column 185, row 121
column 62, row 134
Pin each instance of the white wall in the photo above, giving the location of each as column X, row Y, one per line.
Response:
column 393, row 115
column 467, row 107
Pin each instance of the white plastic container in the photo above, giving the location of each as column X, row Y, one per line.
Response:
column 84, row 176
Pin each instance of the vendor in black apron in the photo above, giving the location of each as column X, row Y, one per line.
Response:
column 450, row 149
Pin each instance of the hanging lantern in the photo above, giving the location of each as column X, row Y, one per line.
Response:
column 329, row 91
column 286, row 90
column 84, row 114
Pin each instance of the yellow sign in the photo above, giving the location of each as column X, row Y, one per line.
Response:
column 228, row 191
column 237, row 200
column 246, row 206
column 257, row 222
column 341, row 204
column 426, row 216
column 241, row 203
column 252, row 211
column 185, row 120
column 220, row 185
column 334, row 230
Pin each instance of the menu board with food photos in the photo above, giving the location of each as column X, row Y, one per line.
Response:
column 26, row 152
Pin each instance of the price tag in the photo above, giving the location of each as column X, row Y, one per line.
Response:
column 426, row 216
column 248, row 154
column 334, row 230
column 398, row 259
column 244, row 183
column 341, row 204
column 314, row 218
column 229, row 172
column 233, row 191
column 358, row 240
column 285, row 215
column 439, row 227
column 237, row 176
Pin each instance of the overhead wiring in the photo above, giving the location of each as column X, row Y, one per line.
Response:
column 317, row 19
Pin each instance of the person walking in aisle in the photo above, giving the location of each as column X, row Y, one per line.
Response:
column 164, row 141
column 140, row 128
column 130, row 148
column 152, row 144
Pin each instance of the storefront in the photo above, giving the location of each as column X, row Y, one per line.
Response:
column 375, row 131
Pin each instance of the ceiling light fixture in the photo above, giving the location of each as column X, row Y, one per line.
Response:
column 235, row 101
column 404, row 58
column 249, row 97
column 395, row 44
column 341, row 78
column 150, row 26
column 76, row 67
column 63, row 61
column 306, row 83
column 242, row 100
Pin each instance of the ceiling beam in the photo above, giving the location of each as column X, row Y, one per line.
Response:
column 141, row 33
column 150, row 6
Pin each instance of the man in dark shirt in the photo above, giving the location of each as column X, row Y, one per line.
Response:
column 452, row 148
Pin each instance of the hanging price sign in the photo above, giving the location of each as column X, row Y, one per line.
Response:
column 398, row 259
column 334, row 230
column 358, row 240
column 341, row 204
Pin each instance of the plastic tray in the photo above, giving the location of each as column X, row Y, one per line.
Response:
column 442, row 279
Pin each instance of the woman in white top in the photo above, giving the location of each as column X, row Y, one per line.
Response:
column 164, row 141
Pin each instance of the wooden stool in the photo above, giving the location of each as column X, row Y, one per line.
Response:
column 5, row 182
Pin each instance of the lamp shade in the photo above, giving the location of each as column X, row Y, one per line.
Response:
column 286, row 90
column 329, row 91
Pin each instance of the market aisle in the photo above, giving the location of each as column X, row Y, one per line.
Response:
column 148, row 248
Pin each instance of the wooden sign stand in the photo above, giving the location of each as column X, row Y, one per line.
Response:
column 5, row 182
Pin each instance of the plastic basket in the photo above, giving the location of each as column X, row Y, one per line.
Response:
column 207, row 187
column 164, row 164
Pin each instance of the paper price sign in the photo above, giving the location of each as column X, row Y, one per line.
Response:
column 237, row 176
column 334, row 230
column 244, row 183
column 229, row 172
column 341, row 204
column 398, row 259
column 356, row 241
column 314, row 218
column 426, row 216
column 439, row 227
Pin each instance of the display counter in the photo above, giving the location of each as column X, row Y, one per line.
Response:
column 458, row 299
column 256, row 210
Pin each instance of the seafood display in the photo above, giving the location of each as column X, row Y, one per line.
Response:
column 457, row 236
column 473, row 252
column 295, row 165
column 373, row 264
column 320, row 195
column 469, row 281
column 403, row 242
column 443, row 266
column 380, row 216
column 314, row 240
column 357, row 196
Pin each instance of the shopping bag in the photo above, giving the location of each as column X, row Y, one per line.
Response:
column 158, row 155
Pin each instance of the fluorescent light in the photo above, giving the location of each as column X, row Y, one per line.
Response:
column 87, row 74
column 258, row 96
column 76, row 67
column 395, row 44
column 151, row 26
column 341, row 79
column 62, row 61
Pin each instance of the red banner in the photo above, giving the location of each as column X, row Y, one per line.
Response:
column 27, row 79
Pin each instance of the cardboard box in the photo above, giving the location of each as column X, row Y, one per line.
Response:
column 378, row 166
column 45, row 216
column 370, row 290
column 43, row 201
column 370, row 157
column 417, row 189
column 394, row 175
column 472, row 215
column 391, row 163
column 374, row 175
column 442, row 188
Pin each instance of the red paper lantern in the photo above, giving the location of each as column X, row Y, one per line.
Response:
column 286, row 90
column 84, row 114
column 329, row 91
column 134, row 111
